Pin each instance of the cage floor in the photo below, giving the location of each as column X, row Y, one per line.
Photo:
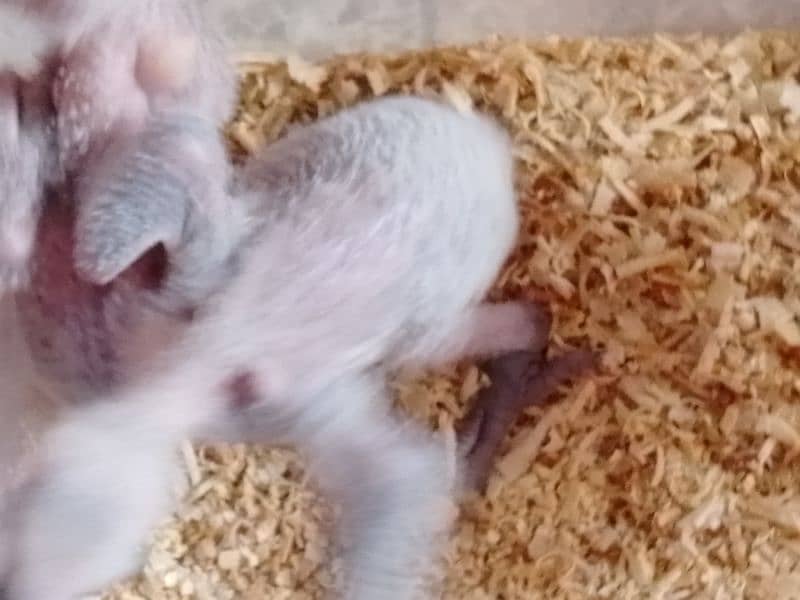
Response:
column 659, row 185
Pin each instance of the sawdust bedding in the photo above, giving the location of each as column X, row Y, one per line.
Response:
column 659, row 184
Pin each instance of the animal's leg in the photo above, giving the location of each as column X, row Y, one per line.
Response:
column 388, row 485
column 82, row 523
column 518, row 380
column 489, row 329
column 388, row 480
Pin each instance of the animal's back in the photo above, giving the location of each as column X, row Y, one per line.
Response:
column 379, row 225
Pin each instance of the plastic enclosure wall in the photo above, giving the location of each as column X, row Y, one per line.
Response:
column 317, row 28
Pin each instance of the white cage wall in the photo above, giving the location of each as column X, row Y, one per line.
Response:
column 318, row 28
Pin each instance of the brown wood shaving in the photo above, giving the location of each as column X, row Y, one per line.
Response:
column 659, row 185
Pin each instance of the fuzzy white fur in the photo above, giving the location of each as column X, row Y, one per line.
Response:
column 374, row 235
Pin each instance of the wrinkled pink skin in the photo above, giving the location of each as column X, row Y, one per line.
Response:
column 375, row 234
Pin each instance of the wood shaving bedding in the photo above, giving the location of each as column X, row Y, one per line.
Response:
column 659, row 186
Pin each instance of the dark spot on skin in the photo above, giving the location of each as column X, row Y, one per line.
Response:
column 242, row 390
column 188, row 314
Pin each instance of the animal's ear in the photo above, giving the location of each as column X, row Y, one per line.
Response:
column 117, row 228
column 134, row 197
column 144, row 190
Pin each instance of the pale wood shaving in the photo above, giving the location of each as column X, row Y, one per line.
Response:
column 659, row 184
